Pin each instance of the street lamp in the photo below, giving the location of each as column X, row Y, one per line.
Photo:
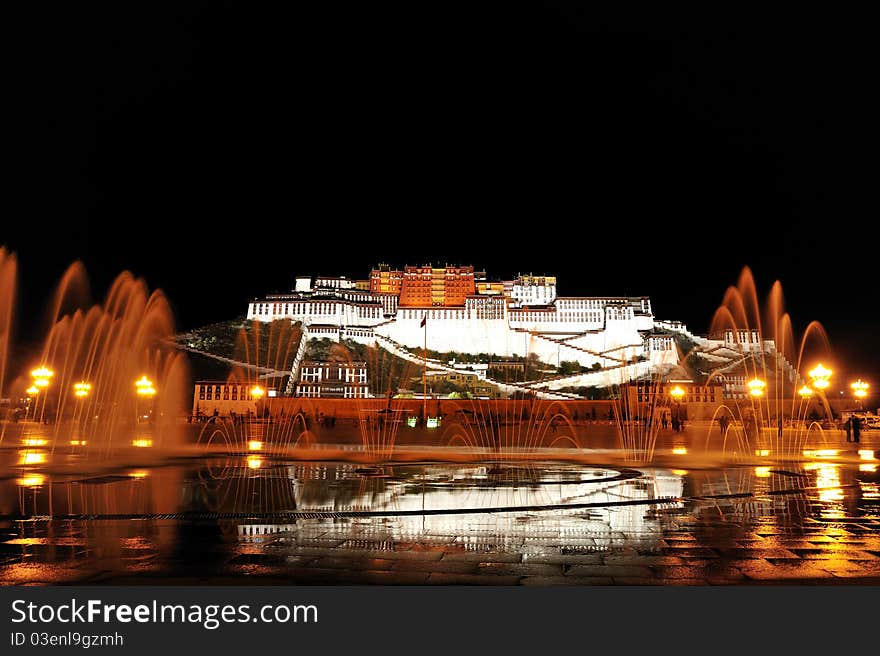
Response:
column 805, row 392
column 860, row 389
column 42, row 376
column 257, row 392
column 677, row 394
column 757, row 387
column 82, row 389
column 820, row 376
column 144, row 387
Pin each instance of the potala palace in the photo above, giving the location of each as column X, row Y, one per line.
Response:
column 454, row 308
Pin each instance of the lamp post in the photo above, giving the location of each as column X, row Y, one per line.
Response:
column 820, row 379
column 860, row 391
column 31, row 392
column 677, row 394
column 42, row 376
column 757, row 388
column 257, row 393
column 82, row 389
column 806, row 394
column 144, row 388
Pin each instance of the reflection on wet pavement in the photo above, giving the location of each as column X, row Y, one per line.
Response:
column 233, row 520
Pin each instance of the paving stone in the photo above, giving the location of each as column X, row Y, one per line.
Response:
column 520, row 569
column 501, row 557
column 560, row 559
column 608, row 570
column 354, row 563
column 386, row 577
column 641, row 580
column 441, row 566
column 757, row 553
column 769, row 571
column 690, row 552
column 436, row 578
column 566, row 580
column 680, row 572
column 643, row 561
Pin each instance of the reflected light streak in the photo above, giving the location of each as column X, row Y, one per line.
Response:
column 821, row 453
column 31, row 458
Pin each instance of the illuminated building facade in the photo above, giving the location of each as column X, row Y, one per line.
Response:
column 385, row 280
column 427, row 286
column 333, row 380
column 224, row 398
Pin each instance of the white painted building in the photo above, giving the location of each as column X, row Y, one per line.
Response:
column 533, row 290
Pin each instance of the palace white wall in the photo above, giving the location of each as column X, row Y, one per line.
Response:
column 578, row 330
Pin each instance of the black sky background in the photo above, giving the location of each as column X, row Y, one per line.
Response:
column 220, row 149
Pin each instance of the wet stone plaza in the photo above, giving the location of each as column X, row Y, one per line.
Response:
column 566, row 517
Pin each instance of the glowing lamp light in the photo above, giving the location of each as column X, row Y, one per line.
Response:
column 33, row 390
column 140, row 473
column 432, row 422
column 257, row 392
column 676, row 393
column 762, row 453
column 77, row 442
column 868, row 468
column 255, row 445
column 860, row 388
column 411, row 421
column 679, row 451
column 762, row 472
column 142, row 443
column 42, row 372
column 34, row 441
column 805, row 392
column 41, row 382
column 31, row 480
column 254, row 463
column 144, row 387
column 82, row 389
column 757, row 387
column 866, row 454
column 820, row 376
column 680, row 472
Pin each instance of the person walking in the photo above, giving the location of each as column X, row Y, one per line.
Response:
column 856, row 428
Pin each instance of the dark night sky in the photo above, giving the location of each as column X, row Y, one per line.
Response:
column 219, row 150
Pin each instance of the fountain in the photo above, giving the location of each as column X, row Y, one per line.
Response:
column 772, row 418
